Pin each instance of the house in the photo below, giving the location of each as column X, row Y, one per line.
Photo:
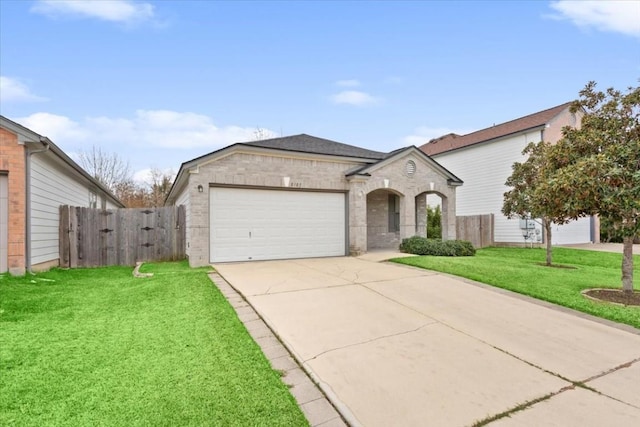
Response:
column 484, row 159
column 36, row 177
column 301, row 196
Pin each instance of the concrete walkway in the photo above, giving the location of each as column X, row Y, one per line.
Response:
column 394, row 345
column 603, row 247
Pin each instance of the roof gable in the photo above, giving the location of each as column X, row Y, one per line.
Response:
column 452, row 141
column 367, row 169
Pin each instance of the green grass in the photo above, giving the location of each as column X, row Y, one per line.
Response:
column 97, row 347
column 517, row 269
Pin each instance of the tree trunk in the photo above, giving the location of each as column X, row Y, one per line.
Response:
column 547, row 231
column 627, row 264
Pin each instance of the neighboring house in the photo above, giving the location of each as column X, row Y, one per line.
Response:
column 302, row 196
column 36, row 177
column 483, row 159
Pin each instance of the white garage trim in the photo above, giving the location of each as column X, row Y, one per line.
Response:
column 261, row 224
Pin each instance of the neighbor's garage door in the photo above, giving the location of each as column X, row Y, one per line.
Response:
column 252, row 224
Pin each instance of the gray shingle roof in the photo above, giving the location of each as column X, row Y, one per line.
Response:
column 310, row 144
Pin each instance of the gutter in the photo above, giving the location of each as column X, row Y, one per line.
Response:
column 27, row 203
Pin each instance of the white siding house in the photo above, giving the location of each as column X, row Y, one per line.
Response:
column 40, row 178
column 484, row 159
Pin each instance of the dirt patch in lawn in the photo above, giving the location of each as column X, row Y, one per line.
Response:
column 616, row 296
column 569, row 267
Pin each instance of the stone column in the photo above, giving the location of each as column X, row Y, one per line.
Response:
column 421, row 215
column 357, row 200
column 407, row 216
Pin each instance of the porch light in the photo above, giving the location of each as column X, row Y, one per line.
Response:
column 200, row 188
column 386, row 183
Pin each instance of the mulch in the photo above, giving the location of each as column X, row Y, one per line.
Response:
column 616, row 296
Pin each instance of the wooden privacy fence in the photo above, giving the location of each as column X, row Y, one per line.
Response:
column 478, row 229
column 100, row 237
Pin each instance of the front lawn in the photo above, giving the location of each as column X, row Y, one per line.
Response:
column 99, row 347
column 518, row 270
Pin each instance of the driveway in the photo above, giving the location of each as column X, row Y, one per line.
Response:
column 397, row 346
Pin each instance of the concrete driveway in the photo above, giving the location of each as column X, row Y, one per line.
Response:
column 398, row 346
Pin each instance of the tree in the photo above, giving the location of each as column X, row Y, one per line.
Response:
column 108, row 168
column 531, row 195
column 159, row 187
column 598, row 165
column 434, row 222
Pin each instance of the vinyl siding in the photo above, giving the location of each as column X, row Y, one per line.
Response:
column 484, row 168
column 184, row 199
column 50, row 188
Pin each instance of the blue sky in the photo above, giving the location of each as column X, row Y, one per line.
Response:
column 162, row 82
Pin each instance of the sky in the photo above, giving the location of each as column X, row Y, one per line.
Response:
column 162, row 82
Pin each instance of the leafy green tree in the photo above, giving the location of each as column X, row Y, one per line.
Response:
column 598, row 165
column 531, row 195
column 434, row 222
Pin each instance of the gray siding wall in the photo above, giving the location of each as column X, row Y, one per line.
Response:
column 50, row 188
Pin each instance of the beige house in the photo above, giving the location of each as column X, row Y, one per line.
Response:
column 302, row 196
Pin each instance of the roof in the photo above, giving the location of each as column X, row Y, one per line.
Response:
column 310, row 144
column 453, row 141
column 33, row 137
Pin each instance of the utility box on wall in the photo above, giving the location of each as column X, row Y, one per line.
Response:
column 527, row 224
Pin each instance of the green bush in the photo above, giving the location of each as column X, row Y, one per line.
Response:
column 434, row 222
column 422, row 246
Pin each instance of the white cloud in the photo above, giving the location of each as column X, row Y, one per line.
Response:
column 13, row 90
column 123, row 11
column 354, row 97
column 348, row 83
column 423, row 134
column 55, row 127
column 616, row 16
column 148, row 128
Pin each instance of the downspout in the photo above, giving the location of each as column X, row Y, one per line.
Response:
column 27, row 202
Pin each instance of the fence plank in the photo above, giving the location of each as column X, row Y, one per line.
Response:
column 63, row 236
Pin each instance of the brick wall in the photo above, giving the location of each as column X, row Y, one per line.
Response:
column 12, row 162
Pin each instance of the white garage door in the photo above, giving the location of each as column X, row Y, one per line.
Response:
column 252, row 224
column 578, row 231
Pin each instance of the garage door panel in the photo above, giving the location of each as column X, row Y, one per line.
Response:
column 253, row 224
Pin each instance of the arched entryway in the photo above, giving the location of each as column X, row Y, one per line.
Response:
column 435, row 204
column 384, row 219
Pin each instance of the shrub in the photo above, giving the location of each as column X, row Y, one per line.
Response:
column 422, row 246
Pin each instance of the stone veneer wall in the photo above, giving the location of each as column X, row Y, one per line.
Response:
column 12, row 162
